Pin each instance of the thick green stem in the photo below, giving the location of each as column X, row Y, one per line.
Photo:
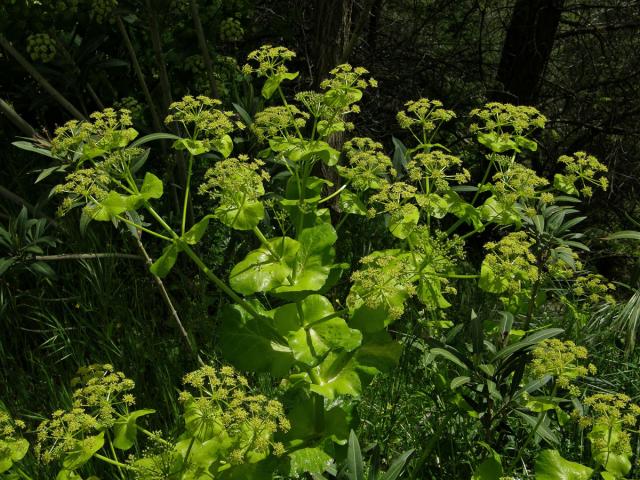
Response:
column 219, row 283
column 112, row 462
column 144, row 229
column 187, row 188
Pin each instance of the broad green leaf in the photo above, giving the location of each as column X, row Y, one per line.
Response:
column 253, row 344
column 564, row 184
column 342, row 97
column 463, row 210
column 435, row 205
column 310, row 339
column 497, row 143
column 194, row 147
column 337, row 375
column 163, row 265
column 12, row 451
column 490, row 281
column 489, row 469
column 603, row 440
column 404, row 220
column 526, row 143
column 313, row 261
column 68, row 475
column 266, row 268
column 126, row 429
column 551, row 466
column 272, row 83
column 459, row 381
column 113, row 204
column 326, row 128
column 494, row 210
column 309, row 460
column 240, row 216
column 151, row 186
column 197, row 231
column 350, row 203
column 84, row 450
column 224, row 145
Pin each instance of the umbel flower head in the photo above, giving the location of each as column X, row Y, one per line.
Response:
column 12, row 445
column 506, row 118
column 584, row 171
column 517, row 183
column 234, row 177
column 202, row 118
column 423, row 116
column 436, row 169
column 270, row 61
column 345, row 76
column 594, row 289
column 610, row 414
column 80, row 141
column 102, row 395
column 512, row 259
column 279, row 121
column 367, row 165
column 562, row 360
column 219, row 404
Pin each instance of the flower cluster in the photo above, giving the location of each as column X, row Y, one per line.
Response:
column 586, row 170
column 278, row 121
column 235, row 177
column 562, row 361
column 40, row 46
column 507, row 118
column 231, row 30
column 345, row 76
column 520, row 183
column 392, row 196
column 512, row 259
column 434, row 167
column 610, row 413
column 368, row 166
column 271, row 61
column 101, row 391
column 594, row 289
column 201, row 117
column 423, row 116
column 219, row 402
column 107, row 130
column 86, row 185
column 382, row 279
column 12, row 445
column 133, row 106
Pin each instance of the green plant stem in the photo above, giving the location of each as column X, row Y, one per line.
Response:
column 219, row 283
column 337, row 192
column 153, row 436
column 286, row 104
column 144, row 229
column 24, row 63
column 187, row 188
column 111, row 461
column 115, row 457
column 23, row 474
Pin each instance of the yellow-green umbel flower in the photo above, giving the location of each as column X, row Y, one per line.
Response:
column 346, row 76
column 594, row 289
column 423, row 117
column 584, row 171
column 507, row 118
column 562, row 360
column 231, row 30
column 518, row 182
column 220, row 404
column 279, row 121
column 435, row 170
column 511, row 262
column 367, row 165
column 270, row 61
column 202, row 118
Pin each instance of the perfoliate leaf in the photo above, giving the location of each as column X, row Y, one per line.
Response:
column 266, row 268
column 163, row 265
column 253, row 344
column 245, row 216
column 617, row 463
column 526, row 143
column 496, row 142
column 309, row 460
column 551, row 466
column 403, row 221
column 350, row 203
column 308, row 337
column 114, row 204
column 194, row 147
column 197, row 231
column 151, row 187
column 490, row 281
column 126, row 430
column 224, row 145
column 272, row 83
column 562, row 183
column 85, row 449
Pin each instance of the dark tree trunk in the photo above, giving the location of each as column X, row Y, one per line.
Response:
column 527, row 48
column 331, row 32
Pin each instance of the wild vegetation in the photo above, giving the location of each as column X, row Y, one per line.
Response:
column 236, row 269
